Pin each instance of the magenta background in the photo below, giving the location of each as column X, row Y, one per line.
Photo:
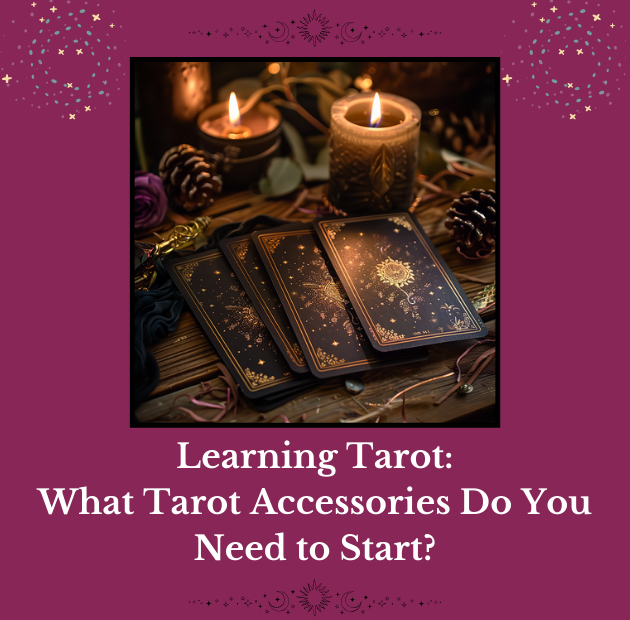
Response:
column 66, row 363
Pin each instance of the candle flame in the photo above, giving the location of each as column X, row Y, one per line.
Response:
column 235, row 115
column 375, row 119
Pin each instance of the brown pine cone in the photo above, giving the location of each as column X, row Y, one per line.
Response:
column 472, row 222
column 462, row 136
column 190, row 177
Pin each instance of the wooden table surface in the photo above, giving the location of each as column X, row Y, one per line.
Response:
column 186, row 357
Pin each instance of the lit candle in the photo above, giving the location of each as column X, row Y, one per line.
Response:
column 373, row 152
column 257, row 130
column 261, row 119
column 376, row 117
column 235, row 131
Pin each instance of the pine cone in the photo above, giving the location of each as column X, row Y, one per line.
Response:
column 190, row 177
column 472, row 221
column 462, row 136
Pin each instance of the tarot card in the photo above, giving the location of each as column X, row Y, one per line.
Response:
column 250, row 270
column 402, row 290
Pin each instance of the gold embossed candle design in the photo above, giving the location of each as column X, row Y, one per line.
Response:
column 373, row 152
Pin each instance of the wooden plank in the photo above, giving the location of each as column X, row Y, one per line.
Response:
column 330, row 402
column 184, row 357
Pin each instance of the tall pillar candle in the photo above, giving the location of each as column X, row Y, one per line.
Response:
column 373, row 168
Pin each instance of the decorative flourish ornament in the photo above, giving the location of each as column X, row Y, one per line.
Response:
column 314, row 597
column 334, row 291
column 329, row 291
column 246, row 320
column 314, row 28
column 396, row 273
column 188, row 270
column 400, row 221
column 258, row 379
column 387, row 334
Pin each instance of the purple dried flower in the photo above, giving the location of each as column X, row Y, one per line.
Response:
column 150, row 201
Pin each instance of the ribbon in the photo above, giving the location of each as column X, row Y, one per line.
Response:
column 480, row 363
column 206, row 389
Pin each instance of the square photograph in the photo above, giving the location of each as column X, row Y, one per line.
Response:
column 315, row 242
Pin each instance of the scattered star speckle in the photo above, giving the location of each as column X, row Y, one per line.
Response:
column 87, row 108
column 72, row 117
column 572, row 117
column 587, row 108
column 60, row 52
column 596, row 18
column 580, row 52
column 6, row 78
column 507, row 79
column 79, row 52
column 96, row 17
column 561, row 52
column 554, row 9
column 54, row 9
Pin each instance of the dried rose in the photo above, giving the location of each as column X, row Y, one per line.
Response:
column 150, row 201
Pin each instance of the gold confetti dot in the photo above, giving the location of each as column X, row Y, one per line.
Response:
column 434, row 112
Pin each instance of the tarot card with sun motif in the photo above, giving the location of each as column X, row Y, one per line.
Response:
column 250, row 270
column 226, row 315
column 404, row 293
column 316, row 303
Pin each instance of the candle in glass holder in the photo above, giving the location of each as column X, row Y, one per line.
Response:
column 250, row 140
column 373, row 153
